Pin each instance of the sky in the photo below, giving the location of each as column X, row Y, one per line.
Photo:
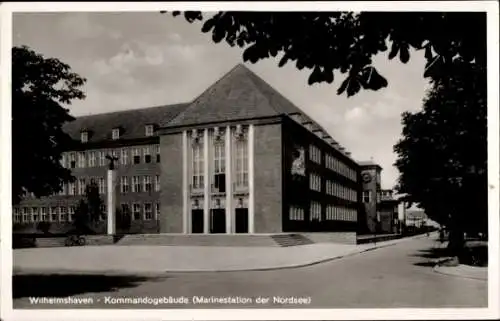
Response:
column 137, row 60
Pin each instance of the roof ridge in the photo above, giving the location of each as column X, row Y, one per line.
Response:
column 132, row 110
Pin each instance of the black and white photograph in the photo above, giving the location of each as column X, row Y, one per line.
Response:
column 227, row 157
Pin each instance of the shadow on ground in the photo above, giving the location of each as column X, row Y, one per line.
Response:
column 59, row 285
column 432, row 255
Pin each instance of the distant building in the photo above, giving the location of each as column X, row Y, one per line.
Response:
column 380, row 208
column 240, row 158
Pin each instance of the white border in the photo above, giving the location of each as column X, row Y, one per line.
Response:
column 252, row 314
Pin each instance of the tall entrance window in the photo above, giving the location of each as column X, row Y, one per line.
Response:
column 197, row 157
column 219, row 165
column 241, row 158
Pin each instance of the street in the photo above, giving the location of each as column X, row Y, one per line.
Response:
column 398, row 276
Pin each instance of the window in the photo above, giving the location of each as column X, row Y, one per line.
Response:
column 34, row 214
column 25, row 214
column 197, row 158
column 296, row 213
column 92, row 159
column 315, row 182
column 241, row 163
column 81, row 186
column 124, row 156
column 315, row 211
column 63, row 189
column 101, row 157
column 157, row 183
column 17, row 215
column 148, row 211
column 104, row 211
column 367, row 195
column 84, row 136
column 136, row 155
column 147, row 154
column 71, row 212
column 219, row 167
column 314, row 154
column 157, row 151
column 82, row 160
column 115, row 134
column 136, row 208
column 149, row 130
column 157, row 211
column 63, row 215
column 63, row 160
column 72, row 160
column 43, row 214
column 124, row 188
column 136, row 184
column 125, row 210
column 53, row 214
column 378, row 197
column 147, row 183
column 102, row 185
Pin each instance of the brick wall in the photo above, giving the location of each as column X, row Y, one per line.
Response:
column 171, row 184
column 268, row 178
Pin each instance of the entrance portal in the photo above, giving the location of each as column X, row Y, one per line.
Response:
column 197, row 221
column 218, row 221
column 241, row 224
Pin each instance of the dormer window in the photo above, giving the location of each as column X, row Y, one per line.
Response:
column 149, row 130
column 115, row 133
column 84, row 136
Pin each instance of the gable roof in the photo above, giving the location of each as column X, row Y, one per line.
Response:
column 131, row 122
column 239, row 94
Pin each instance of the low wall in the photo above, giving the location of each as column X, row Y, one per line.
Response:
column 332, row 237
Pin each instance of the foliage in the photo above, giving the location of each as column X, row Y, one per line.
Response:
column 325, row 42
column 88, row 211
column 40, row 88
column 442, row 156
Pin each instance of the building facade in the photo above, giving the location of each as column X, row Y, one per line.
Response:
column 240, row 158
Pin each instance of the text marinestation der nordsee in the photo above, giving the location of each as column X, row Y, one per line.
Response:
column 171, row 300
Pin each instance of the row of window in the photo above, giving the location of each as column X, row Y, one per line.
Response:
column 332, row 213
column 125, row 156
column 115, row 133
column 335, row 165
column 340, row 191
column 136, row 184
column 219, row 164
column 136, row 210
column 367, row 197
column 338, row 213
column 332, row 188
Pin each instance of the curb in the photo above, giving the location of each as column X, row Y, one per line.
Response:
column 162, row 273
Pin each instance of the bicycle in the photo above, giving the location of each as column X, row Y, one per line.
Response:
column 74, row 240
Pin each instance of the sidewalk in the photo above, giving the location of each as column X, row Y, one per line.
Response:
column 464, row 271
column 161, row 259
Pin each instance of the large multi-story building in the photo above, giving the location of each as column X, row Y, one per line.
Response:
column 240, row 158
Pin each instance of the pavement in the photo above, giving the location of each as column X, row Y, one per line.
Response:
column 151, row 260
column 397, row 276
column 464, row 271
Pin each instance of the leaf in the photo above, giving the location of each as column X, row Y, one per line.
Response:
column 315, row 76
column 328, row 74
column 404, row 53
column 344, row 85
column 394, row 50
column 250, row 54
column 428, row 51
column 353, row 88
column 283, row 60
column 208, row 25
